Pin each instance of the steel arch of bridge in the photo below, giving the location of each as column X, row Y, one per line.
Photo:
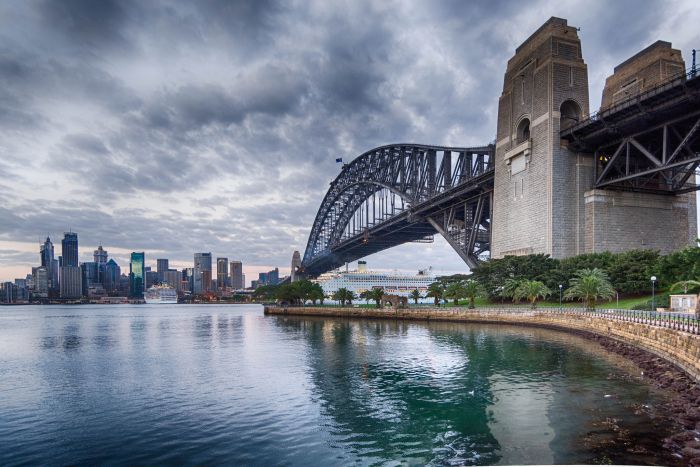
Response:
column 413, row 191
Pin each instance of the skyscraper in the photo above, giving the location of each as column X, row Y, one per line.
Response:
column 112, row 274
column 41, row 282
column 69, row 249
column 137, row 269
column 100, row 259
column 221, row 273
column 273, row 277
column 51, row 265
column 202, row 273
column 173, row 278
column 71, row 277
column 100, row 255
column 161, row 267
column 237, row 281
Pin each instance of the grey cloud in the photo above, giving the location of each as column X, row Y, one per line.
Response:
column 88, row 25
column 222, row 119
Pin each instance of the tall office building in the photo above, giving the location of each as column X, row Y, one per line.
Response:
column 273, row 277
column 70, row 273
column 47, row 260
column 112, row 274
column 162, row 265
column 173, row 278
column 71, row 284
column 237, row 281
column 69, row 249
column 100, row 259
column 100, row 255
column 41, row 282
column 221, row 273
column 202, row 273
column 137, row 270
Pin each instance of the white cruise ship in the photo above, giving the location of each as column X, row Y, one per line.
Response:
column 161, row 294
column 360, row 280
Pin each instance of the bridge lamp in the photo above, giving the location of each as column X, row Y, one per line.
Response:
column 560, row 289
column 653, row 301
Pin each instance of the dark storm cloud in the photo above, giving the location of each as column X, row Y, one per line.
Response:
column 214, row 125
column 89, row 25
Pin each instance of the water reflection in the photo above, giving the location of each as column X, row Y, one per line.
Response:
column 227, row 385
column 470, row 394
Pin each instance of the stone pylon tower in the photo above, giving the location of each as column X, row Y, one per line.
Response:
column 538, row 201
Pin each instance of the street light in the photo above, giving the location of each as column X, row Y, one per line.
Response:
column 617, row 297
column 560, row 287
column 653, row 301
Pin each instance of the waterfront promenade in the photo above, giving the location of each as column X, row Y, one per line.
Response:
column 674, row 338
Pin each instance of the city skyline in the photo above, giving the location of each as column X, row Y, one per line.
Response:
column 114, row 114
column 88, row 254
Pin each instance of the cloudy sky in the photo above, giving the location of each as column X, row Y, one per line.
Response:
column 175, row 127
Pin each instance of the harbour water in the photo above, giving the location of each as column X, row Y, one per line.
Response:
column 195, row 384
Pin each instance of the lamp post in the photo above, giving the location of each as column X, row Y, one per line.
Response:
column 653, row 301
column 617, row 297
column 560, row 289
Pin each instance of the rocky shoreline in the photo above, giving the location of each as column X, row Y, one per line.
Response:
column 684, row 406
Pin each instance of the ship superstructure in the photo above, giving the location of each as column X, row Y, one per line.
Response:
column 361, row 280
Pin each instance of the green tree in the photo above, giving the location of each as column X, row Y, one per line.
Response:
column 366, row 295
column 685, row 285
column 630, row 272
column 681, row 265
column 589, row 285
column 266, row 292
column 531, row 290
column 509, row 288
column 454, row 291
column 376, row 295
column 493, row 274
column 316, row 293
column 415, row 295
column 436, row 290
column 472, row 290
column 344, row 295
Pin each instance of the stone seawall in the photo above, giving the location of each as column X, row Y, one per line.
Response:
column 677, row 347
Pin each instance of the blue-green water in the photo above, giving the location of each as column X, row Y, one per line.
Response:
column 225, row 384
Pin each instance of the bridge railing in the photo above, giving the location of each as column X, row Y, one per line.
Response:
column 685, row 75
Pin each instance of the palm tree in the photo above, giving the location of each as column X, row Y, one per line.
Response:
column 589, row 285
column 685, row 285
column 472, row 289
column 415, row 295
column 436, row 290
column 455, row 291
column 366, row 295
column 531, row 290
column 377, row 295
column 343, row 295
column 509, row 288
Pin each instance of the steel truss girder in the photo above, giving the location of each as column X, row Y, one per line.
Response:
column 661, row 159
column 466, row 225
column 414, row 175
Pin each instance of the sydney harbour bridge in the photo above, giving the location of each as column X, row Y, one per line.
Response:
column 644, row 142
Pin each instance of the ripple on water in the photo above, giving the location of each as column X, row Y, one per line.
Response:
column 223, row 384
